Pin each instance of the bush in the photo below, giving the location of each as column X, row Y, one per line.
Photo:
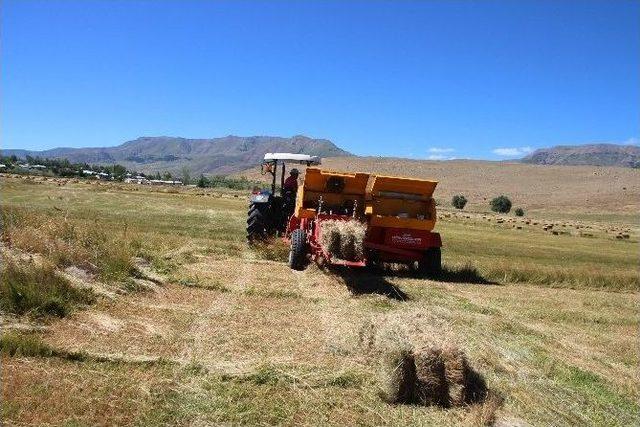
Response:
column 519, row 212
column 501, row 204
column 459, row 201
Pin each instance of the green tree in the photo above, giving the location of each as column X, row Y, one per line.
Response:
column 458, row 201
column 501, row 204
column 186, row 175
column 203, row 181
column 519, row 212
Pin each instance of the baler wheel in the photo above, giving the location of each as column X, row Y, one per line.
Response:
column 431, row 263
column 298, row 251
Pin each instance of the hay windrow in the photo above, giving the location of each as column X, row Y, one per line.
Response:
column 343, row 239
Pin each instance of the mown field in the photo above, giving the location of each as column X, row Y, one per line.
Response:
column 230, row 334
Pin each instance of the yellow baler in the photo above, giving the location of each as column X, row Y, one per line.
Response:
column 399, row 213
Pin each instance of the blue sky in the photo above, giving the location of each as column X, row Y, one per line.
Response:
column 422, row 79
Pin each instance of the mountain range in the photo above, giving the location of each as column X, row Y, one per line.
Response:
column 233, row 154
column 218, row 156
column 589, row 154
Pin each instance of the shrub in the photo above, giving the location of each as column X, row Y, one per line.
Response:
column 459, row 201
column 519, row 212
column 501, row 204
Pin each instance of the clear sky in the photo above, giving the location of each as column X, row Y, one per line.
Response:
column 439, row 79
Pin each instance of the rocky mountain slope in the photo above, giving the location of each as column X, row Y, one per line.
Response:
column 592, row 154
column 215, row 156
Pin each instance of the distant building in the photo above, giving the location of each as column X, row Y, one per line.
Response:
column 164, row 182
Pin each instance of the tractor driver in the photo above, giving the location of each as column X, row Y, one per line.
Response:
column 291, row 183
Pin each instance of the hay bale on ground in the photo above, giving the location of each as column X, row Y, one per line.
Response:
column 398, row 376
column 431, row 385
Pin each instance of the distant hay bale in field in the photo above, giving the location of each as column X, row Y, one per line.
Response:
column 343, row 239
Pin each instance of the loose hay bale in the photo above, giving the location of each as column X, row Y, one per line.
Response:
column 343, row 239
column 397, row 376
column 330, row 237
column 431, row 385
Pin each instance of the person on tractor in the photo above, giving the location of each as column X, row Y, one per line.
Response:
column 291, row 183
column 289, row 191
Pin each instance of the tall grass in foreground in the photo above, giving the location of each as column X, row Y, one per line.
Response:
column 38, row 290
column 65, row 242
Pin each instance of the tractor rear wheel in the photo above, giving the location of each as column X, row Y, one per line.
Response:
column 257, row 222
column 431, row 263
column 298, row 251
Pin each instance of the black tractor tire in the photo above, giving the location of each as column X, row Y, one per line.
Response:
column 257, row 223
column 431, row 263
column 298, row 251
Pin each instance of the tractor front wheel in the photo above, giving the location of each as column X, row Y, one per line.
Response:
column 431, row 263
column 298, row 251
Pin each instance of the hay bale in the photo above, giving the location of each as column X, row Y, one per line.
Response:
column 397, row 376
column 456, row 370
column 330, row 237
column 431, row 385
column 343, row 239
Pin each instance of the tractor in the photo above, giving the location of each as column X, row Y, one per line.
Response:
column 398, row 214
column 269, row 212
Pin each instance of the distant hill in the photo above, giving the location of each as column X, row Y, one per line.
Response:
column 215, row 156
column 593, row 154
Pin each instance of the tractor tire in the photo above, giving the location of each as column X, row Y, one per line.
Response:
column 431, row 263
column 257, row 224
column 298, row 251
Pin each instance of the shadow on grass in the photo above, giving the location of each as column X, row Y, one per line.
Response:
column 361, row 281
column 461, row 274
column 465, row 273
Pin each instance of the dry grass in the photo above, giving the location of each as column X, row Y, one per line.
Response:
column 66, row 242
column 253, row 343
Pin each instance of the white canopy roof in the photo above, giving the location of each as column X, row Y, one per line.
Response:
column 303, row 159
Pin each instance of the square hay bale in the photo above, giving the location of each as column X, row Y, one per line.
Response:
column 397, row 376
column 343, row 239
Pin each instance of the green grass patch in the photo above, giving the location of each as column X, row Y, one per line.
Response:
column 273, row 293
column 16, row 344
column 38, row 290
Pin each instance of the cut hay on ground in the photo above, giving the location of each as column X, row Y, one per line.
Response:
column 343, row 239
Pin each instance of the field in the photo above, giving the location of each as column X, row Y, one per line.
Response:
column 174, row 320
column 563, row 192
